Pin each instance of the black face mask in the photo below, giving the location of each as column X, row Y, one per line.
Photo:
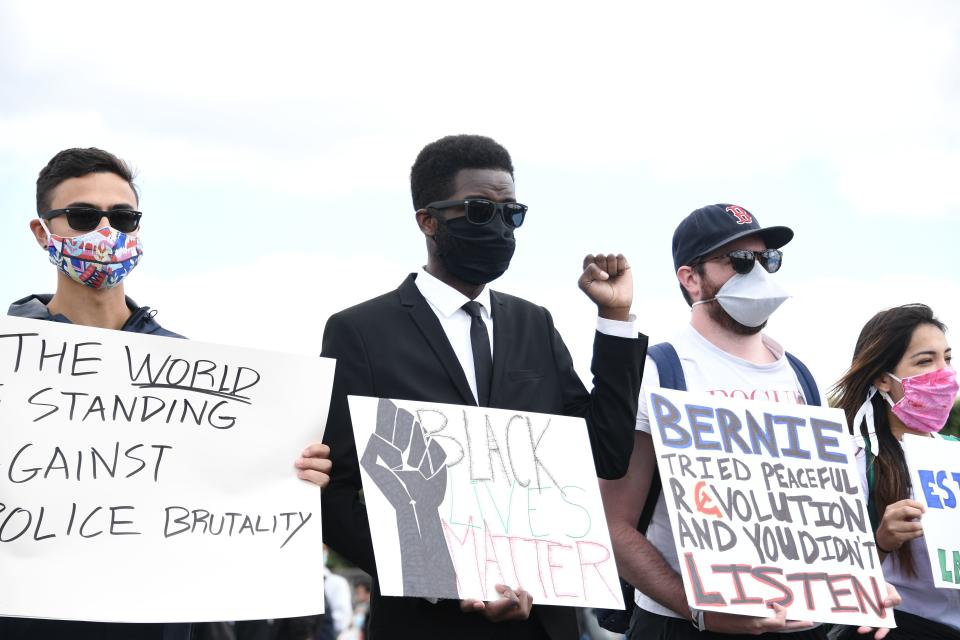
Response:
column 476, row 254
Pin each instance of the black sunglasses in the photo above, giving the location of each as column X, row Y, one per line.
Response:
column 480, row 211
column 742, row 260
column 88, row 218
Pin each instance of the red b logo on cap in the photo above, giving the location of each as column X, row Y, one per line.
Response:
column 743, row 216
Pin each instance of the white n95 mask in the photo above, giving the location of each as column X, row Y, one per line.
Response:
column 750, row 298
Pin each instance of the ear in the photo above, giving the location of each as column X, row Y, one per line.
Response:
column 883, row 382
column 689, row 280
column 427, row 223
column 39, row 234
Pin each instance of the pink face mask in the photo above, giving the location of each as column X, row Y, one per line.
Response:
column 927, row 399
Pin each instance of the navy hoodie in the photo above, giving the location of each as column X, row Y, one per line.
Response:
column 141, row 321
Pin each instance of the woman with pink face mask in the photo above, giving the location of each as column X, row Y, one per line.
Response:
column 901, row 381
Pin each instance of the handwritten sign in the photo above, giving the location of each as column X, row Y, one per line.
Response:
column 934, row 465
column 766, row 507
column 463, row 498
column 149, row 479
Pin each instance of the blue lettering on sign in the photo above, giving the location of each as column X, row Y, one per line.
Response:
column 926, row 483
column 793, row 423
column 823, row 441
column 667, row 417
column 943, row 496
column 709, row 428
column 701, row 427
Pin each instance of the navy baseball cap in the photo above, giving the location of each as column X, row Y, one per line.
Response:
column 709, row 228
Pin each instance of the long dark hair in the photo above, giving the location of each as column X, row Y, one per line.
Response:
column 881, row 345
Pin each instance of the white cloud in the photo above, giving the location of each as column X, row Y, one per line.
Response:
column 277, row 301
column 335, row 98
column 821, row 323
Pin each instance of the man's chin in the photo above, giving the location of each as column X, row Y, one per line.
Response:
column 725, row 320
column 744, row 330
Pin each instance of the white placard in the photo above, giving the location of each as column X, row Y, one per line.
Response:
column 934, row 465
column 766, row 506
column 151, row 479
column 463, row 498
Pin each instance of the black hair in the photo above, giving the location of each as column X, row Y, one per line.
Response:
column 76, row 163
column 437, row 165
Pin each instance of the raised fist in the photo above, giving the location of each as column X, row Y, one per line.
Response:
column 409, row 469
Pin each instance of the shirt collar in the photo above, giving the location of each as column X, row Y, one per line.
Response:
column 445, row 298
column 772, row 345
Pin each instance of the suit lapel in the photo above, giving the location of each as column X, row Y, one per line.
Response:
column 428, row 324
column 504, row 331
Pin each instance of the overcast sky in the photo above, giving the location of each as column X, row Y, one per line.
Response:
column 274, row 141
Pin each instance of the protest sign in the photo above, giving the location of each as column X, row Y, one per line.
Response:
column 150, row 479
column 934, row 465
column 766, row 507
column 463, row 498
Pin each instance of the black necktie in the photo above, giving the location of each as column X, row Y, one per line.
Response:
column 482, row 360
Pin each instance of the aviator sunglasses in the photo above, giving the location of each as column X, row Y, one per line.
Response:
column 88, row 218
column 742, row 260
column 480, row 211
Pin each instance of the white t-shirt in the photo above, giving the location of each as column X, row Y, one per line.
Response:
column 919, row 595
column 708, row 368
column 339, row 600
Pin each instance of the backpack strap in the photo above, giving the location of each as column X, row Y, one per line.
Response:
column 668, row 366
column 807, row 384
column 671, row 377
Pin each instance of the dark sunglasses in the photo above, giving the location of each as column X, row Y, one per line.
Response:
column 742, row 260
column 88, row 219
column 480, row 211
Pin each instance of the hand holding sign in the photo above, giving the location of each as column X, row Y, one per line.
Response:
column 415, row 490
column 512, row 605
column 892, row 601
column 900, row 524
column 738, row 624
column 314, row 464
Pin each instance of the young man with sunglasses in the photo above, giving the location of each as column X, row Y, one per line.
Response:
column 726, row 265
column 89, row 226
column 444, row 336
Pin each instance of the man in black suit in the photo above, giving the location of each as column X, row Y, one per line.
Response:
column 430, row 340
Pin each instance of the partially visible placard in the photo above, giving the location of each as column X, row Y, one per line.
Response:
column 151, row 479
column 934, row 465
column 766, row 507
column 463, row 498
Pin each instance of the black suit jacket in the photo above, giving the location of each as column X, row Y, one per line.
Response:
column 394, row 347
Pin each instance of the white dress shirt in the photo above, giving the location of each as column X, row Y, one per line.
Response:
column 447, row 304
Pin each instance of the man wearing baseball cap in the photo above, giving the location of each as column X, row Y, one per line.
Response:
column 726, row 264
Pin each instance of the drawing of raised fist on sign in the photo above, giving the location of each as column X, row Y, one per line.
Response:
column 409, row 468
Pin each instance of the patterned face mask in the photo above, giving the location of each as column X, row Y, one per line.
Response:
column 100, row 259
column 927, row 399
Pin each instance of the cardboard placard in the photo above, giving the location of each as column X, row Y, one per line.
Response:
column 934, row 465
column 766, row 506
column 462, row 498
column 151, row 479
